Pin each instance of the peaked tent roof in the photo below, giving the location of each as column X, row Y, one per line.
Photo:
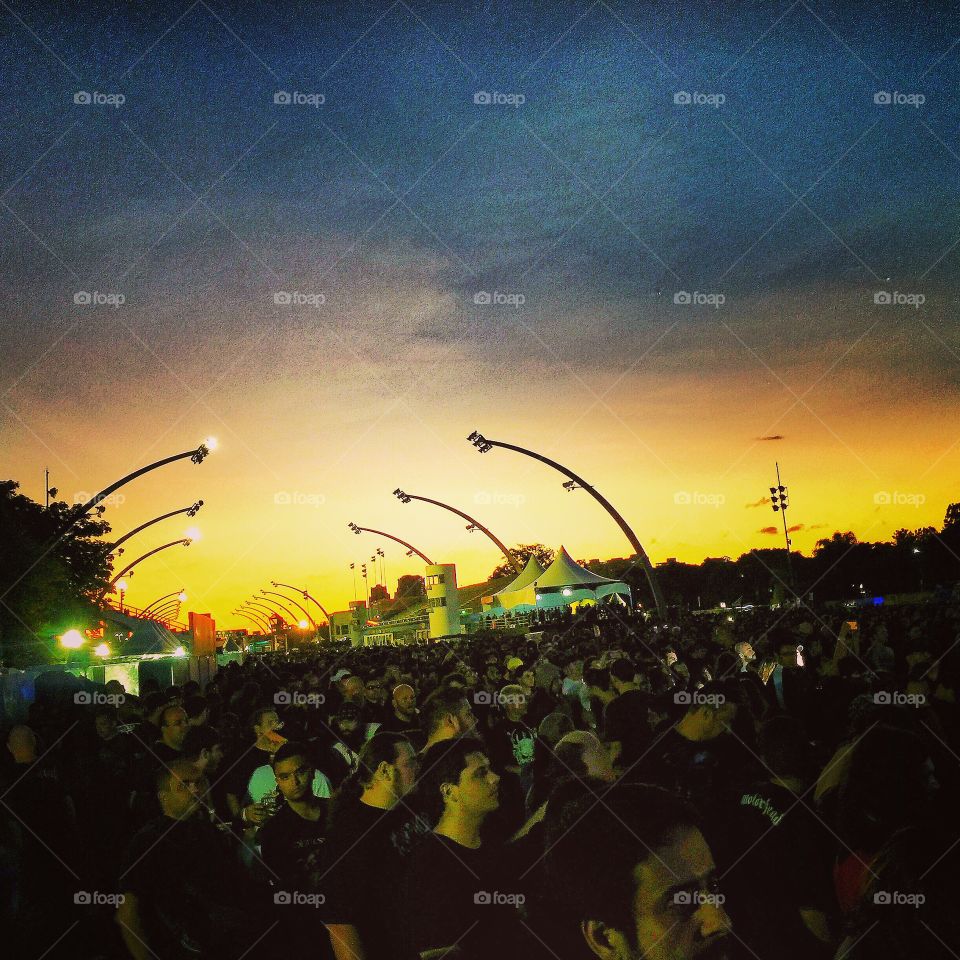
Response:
column 565, row 572
column 148, row 635
column 530, row 572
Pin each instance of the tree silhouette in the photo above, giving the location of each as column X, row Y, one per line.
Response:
column 52, row 569
column 523, row 551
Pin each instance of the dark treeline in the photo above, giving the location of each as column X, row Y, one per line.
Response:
column 841, row 568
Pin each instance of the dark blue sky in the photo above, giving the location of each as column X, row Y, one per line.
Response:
column 663, row 195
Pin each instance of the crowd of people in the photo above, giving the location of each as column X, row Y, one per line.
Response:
column 766, row 783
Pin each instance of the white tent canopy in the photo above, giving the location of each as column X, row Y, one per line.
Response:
column 566, row 572
column 526, row 577
column 563, row 583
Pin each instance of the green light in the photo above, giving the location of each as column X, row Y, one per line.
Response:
column 72, row 640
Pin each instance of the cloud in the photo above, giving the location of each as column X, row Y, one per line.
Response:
column 771, row 531
column 796, row 527
column 775, row 436
column 763, row 501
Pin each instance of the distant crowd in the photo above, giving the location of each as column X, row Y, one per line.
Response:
column 773, row 783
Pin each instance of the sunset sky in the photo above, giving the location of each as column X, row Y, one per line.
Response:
column 299, row 278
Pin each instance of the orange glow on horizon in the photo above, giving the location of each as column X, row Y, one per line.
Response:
column 279, row 510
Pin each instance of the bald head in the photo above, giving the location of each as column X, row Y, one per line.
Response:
column 404, row 700
column 181, row 788
column 22, row 743
column 353, row 690
column 554, row 726
column 584, row 756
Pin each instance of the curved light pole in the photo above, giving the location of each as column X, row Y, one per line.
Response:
column 262, row 631
column 166, row 607
column 473, row 524
column 164, row 612
column 484, row 445
column 269, row 615
column 358, row 530
column 191, row 511
column 186, row 541
column 294, row 619
column 306, row 596
column 249, row 616
column 169, row 611
column 262, row 611
column 248, row 613
column 197, row 456
column 176, row 593
column 283, row 596
column 288, row 615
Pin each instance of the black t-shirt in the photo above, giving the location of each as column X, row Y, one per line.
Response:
column 701, row 771
column 291, row 846
column 391, row 723
column 192, row 895
column 626, row 717
column 144, row 735
column 540, row 704
column 457, row 895
column 40, row 812
column 164, row 754
column 511, row 744
column 359, row 876
column 775, row 857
